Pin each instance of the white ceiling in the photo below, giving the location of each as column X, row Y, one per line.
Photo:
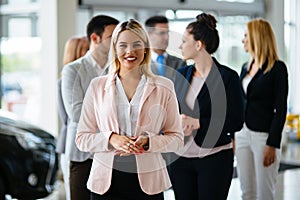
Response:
column 222, row 8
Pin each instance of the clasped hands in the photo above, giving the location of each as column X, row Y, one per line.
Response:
column 189, row 124
column 125, row 146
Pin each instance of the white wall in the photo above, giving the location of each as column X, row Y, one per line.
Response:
column 57, row 23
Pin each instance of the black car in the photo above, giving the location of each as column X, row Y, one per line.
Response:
column 28, row 161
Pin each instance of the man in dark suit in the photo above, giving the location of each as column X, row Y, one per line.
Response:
column 163, row 63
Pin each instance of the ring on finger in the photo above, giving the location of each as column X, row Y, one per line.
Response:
column 128, row 144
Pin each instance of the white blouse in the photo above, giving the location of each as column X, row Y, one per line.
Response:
column 245, row 82
column 128, row 110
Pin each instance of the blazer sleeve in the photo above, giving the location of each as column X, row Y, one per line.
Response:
column 280, row 105
column 172, row 139
column 60, row 104
column 72, row 92
column 88, row 137
column 61, row 140
column 235, row 106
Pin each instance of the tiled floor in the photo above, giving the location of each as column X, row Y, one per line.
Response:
column 288, row 184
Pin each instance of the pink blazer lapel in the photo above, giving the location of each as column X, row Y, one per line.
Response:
column 149, row 87
column 110, row 95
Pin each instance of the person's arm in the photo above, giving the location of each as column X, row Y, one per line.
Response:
column 235, row 107
column 280, row 105
column 280, row 108
column 172, row 139
column 88, row 137
column 60, row 104
column 61, row 139
column 72, row 92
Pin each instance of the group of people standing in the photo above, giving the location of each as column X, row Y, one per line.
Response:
column 139, row 121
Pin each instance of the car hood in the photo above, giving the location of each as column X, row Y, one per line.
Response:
column 8, row 119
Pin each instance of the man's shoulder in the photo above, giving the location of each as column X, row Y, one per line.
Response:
column 174, row 60
column 173, row 57
column 77, row 65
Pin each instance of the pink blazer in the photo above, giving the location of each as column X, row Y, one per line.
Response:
column 158, row 111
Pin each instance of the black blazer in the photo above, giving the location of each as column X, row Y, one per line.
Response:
column 266, row 101
column 219, row 105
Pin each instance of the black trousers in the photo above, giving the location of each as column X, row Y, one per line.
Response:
column 79, row 174
column 125, row 185
column 204, row 178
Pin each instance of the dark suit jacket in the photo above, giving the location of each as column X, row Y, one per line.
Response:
column 219, row 105
column 172, row 64
column 266, row 101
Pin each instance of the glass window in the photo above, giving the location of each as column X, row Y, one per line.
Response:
column 239, row 1
column 231, row 31
column 20, row 75
column 120, row 15
column 20, row 64
column 231, row 50
column 291, row 52
column 20, row 1
column 18, row 27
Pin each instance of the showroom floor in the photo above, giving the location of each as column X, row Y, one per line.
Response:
column 287, row 185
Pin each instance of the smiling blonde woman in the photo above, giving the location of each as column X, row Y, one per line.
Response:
column 122, row 117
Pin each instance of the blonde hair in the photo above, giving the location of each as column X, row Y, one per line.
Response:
column 135, row 27
column 262, row 43
column 75, row 48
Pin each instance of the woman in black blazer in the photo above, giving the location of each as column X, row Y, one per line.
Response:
column 265, row 86
column 211, row 106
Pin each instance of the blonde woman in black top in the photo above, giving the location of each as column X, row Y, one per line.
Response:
column 265, row 85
